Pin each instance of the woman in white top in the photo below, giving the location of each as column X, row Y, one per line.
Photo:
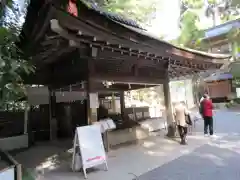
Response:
column 180, row 112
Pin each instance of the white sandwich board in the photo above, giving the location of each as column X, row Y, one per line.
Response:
column 88, row 141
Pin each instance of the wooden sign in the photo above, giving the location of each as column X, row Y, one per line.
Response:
column 94, row 103
column 88, row 142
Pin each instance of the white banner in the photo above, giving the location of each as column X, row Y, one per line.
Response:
column 238, row 92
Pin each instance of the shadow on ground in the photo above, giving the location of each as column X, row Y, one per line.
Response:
column 218, row 159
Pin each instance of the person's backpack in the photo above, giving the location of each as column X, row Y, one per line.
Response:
column 201, row 108
column 188, row 120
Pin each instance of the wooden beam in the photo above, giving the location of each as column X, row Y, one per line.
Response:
column 51, row 56
column 57, row 28
column 46, row 12
column 103, row 35
column 128, row 79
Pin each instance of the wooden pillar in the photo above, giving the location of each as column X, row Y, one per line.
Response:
column 52, row 114
column 26, row 117
column 92, row 103
column 168, row 107
column 92, row 106
column 31, row 134
column 92, row 95
column 113, row 103
column 122, row 103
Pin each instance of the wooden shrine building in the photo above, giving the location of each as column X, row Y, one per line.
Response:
column 73, row 42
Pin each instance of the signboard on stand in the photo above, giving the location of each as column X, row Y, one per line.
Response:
column 7, row 174
column 89, row 146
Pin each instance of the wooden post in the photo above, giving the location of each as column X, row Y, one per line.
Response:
column 19, row 171
column 52, row 114
column 168, row 107
column 26, row 116
column 185, row 90
column 113, row 103
column 122, row 104
column 92, row 103
column 92, row 96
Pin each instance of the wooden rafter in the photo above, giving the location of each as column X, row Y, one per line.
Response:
column 80, row 38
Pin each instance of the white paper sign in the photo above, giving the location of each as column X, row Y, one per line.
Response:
column 91, row 146
column 94, row 100
column 111, row 124
column 104, row 125
column 238, row 92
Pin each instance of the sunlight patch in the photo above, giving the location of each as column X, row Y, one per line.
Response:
column 148, row 144
column 155, row 153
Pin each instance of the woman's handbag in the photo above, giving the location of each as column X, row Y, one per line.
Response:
column 188, row 119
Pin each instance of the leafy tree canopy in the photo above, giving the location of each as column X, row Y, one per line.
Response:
column 139, row 10
column 192, row 10
column 190, row 33
column 12, row 65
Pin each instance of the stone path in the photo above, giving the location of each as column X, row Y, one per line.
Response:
column 156, row 158
column 216, row 159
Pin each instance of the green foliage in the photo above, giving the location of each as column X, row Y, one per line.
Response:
column 147, row 95
column 12, row 65
column 226, row 9
column 138, row 10
column 234, row 38
column 190, row 34
column 4, row 5
column 195, row 4
column 233, row 103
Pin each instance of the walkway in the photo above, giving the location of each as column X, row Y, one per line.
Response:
column 159, row 158
column 216, row 159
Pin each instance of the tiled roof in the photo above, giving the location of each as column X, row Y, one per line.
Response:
column 222, row 29
column 219, row 76
column 210, row 55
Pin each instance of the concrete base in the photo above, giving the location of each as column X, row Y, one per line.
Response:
column 12, row 143
column 127, row 135
column 154, row 124
column 136, row 133
column 171, row 131
column 221, row 106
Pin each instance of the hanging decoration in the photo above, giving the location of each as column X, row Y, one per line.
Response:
column 107, row 83
column 72, row 7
